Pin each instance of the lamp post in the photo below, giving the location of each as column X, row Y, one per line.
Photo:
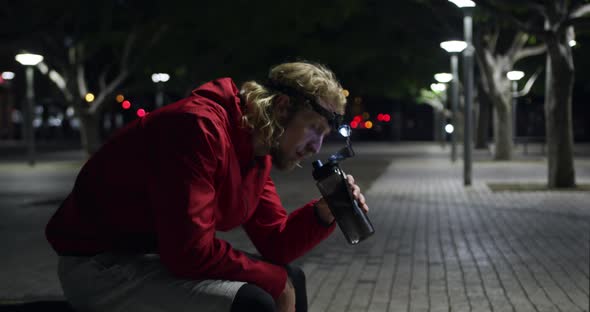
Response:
column 439, row 119
column 443, row 78
column 454, row 47
column 467, row 6
column 159, row 79
column 514, row 76
column 29, row 60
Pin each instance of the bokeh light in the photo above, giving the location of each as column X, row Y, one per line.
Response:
column 141, row 112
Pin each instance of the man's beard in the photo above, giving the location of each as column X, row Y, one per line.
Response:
column 280, row 160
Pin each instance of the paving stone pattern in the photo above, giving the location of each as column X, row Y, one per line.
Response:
column 442, row 247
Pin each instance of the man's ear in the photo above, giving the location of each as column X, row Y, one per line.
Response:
column 281, row 106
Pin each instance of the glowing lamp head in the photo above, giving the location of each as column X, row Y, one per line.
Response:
column 29, row 59
column 438, row 87
column 443, row 77
column 515, row 75
column 453, row 46
column 463, row 3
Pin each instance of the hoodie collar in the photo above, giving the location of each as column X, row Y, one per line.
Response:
column 224, row 92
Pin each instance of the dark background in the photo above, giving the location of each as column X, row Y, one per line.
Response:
column 383, row 52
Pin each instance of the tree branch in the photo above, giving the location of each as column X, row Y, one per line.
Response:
column 127, row 49
column 155, row 38
column 107, row 90
column 494, row 37
column 126, row 68
column 517, row 44
column 578, row 22
column 102, row 80
column 527, row 27
column 60, row 82
column 81, row 71
column 81, row 80
column 529, row 84
column 580, row 11
column 529, row 51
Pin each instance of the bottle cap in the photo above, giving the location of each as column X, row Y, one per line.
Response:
column 317, row 164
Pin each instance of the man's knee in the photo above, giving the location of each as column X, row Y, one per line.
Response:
column 253, row 298
column 296, row 274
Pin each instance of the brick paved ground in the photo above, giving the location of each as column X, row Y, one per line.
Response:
column 442, row 247
column 438, row 246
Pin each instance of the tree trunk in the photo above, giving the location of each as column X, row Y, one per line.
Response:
column 483, row 124
column 89, row 132
column 502, row 131
column 558, row 114
column 437, row 130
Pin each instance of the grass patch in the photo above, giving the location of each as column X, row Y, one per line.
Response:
column 533, row 187
column 40, row 166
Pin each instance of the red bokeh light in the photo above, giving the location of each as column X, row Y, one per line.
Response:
column 354, row 124
column 140, row 112
column 126, row 104
column 386, row 117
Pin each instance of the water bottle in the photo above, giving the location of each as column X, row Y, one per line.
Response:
column 334, row 187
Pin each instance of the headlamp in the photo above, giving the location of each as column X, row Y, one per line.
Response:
column 334, row 119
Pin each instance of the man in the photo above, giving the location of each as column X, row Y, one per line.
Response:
column 137, row 232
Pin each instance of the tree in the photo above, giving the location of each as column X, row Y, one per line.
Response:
column 436, row 99
column 493, row 66
column 90, row 47
column 552, row 21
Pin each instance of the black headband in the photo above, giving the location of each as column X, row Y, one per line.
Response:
column 334, row 119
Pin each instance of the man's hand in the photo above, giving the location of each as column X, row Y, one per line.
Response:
column 286, row 301
column 324, row 210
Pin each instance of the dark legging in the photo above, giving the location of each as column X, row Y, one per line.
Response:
column 252, row 298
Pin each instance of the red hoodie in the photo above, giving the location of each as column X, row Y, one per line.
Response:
column 166, row 182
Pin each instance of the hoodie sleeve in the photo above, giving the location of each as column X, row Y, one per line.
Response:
column 188, row 155
column 282, row 238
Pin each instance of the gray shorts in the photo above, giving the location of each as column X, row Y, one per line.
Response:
column 113, row 282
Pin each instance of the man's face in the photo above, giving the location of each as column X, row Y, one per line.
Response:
column 302, row 138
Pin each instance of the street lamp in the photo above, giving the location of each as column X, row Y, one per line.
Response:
column 438, row 87
column 467, row 6
column 159, row 79
column 443, row 78
column 514, row 76
column 454, row 47
column 463, row 3
column 439, row 114
column 29, row 60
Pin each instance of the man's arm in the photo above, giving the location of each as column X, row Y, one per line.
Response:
column 187, row 155
column 282, row 238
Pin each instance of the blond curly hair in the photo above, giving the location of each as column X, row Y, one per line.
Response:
column 309, row 79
